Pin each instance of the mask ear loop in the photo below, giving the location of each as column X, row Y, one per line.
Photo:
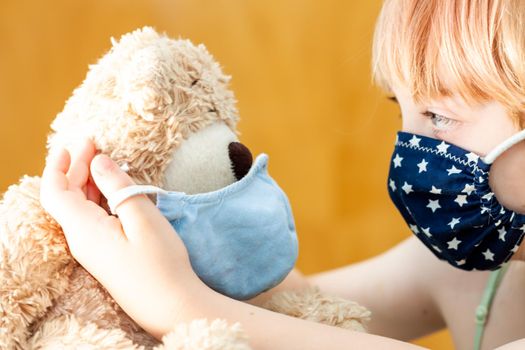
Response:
column 117, row 197
column 502, row 147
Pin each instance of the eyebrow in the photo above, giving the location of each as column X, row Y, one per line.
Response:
column 454, row 105
column 450, row 111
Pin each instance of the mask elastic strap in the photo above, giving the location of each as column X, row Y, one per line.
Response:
column 505, row 145
column 121, row 195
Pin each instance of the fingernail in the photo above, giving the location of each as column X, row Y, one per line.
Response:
column 103, row 164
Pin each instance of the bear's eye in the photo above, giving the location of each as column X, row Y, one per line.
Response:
column 194, row 82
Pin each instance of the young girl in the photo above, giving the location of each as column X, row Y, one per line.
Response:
column 456, row 69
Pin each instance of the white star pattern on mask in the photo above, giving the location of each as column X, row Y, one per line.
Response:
column 453, row 170
column 502, row 232
column 397, row 161
column 461, row 262
column 442, row 147
column 426, row 231
column 414, row 141
column 523, row 228
column 436, row 249
column 502, row 211
column 422, row 165
column 515, row 249
column 484, row 209
column 407, row 188
column 488, row 255
column 433, row 204
column 435, row 190
column 392, row 185
column 472, row 157
column 461, row 199
column 453, row 244
column 469, row 189
column 414, row 228
column 453, row 222
column 488, row 196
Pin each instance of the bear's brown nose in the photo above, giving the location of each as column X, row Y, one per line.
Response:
column 241, row 159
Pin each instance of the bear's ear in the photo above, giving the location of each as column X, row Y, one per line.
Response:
column 145, row 84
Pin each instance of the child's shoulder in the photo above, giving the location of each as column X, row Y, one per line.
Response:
column 457, row 294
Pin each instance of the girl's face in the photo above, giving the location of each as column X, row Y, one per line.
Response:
column 476, row 129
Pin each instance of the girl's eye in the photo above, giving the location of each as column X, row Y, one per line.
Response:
column 438, row 121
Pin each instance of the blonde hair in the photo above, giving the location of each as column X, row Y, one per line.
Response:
column 478, row 44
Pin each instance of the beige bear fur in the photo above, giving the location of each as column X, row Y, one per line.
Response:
column 138, row 104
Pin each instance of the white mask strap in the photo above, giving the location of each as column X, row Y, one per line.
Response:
column 116, row 198
column 505, row 145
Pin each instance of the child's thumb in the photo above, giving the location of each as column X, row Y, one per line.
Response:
column 136, row 211
column 108, row 176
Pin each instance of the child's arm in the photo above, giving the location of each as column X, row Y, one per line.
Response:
column 396, row 286
column 392, row 285
column 144, row 265
column 294, row 281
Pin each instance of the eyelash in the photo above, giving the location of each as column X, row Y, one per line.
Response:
column 434, row 118
column 437, row 118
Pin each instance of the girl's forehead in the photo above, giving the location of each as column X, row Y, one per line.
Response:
column 452, row 104
column 446, row 91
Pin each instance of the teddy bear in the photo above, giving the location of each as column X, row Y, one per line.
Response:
column 163, row 110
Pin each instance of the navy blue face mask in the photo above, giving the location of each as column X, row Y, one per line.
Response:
column 442, row 191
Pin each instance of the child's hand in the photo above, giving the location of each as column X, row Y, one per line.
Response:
column 138, row 256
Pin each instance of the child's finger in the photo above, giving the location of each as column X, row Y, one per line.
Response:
column 137, row 214
column 54, row 186
column 64, row 205
column 92, row 191
column 58, row 160
column 81, row 156
column 54, row 180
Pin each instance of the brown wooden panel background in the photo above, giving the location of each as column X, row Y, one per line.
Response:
column 300, row 72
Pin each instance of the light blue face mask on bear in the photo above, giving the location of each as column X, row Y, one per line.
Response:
column 241, row 239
